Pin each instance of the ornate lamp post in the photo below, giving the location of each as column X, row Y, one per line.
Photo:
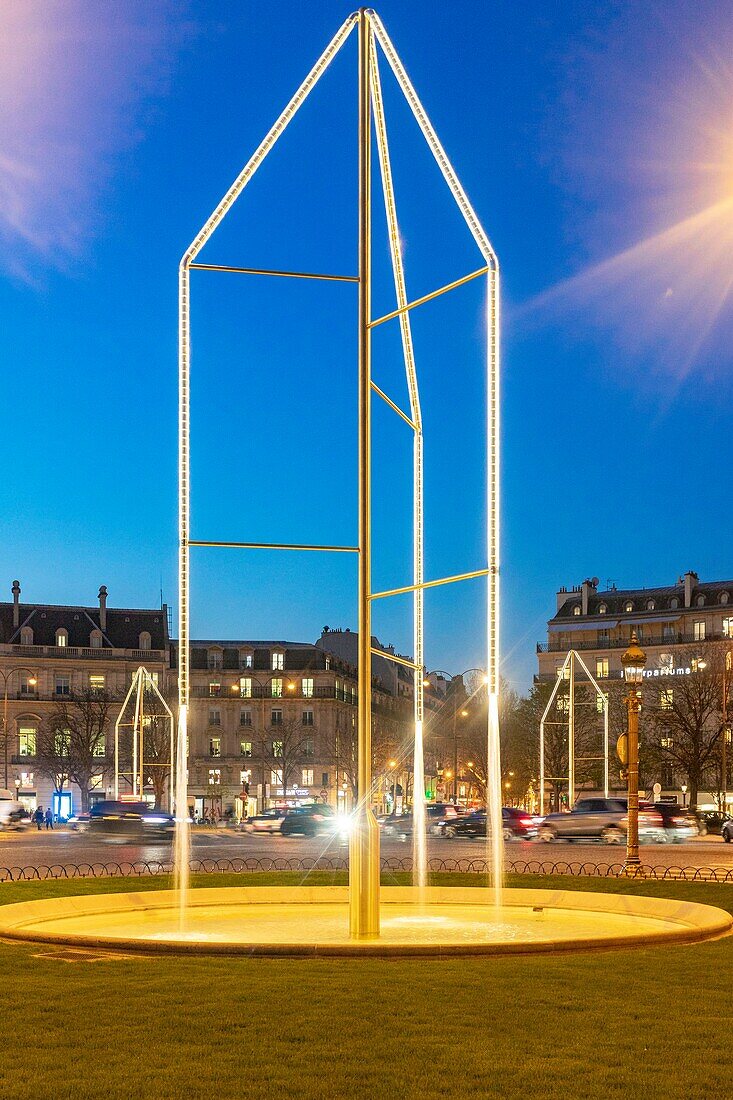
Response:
column 633, row 662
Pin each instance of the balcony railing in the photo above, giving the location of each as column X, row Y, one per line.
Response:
column 76, row 653
column 647, row 641
column 229, row 691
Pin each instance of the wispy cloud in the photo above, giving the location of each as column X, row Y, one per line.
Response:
column 76, row 81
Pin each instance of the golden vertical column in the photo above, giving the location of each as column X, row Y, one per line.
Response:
column 364, row 845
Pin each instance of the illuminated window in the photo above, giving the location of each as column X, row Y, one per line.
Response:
column 245, row 748
column 278, row 662
column 307, row 717
column 245, row 717
column 650, row 605
column 698, row 630
column 97, row 683
column 328, row 663
column 563, row 673
column 214, row 687
column 599, row 704
column 576, row 610
column 666, row 698
column 666, row 742
column 96, row 782
column 27, row 779
column 62, row 742
column 26, row 687
column 307, row 777
column 215, row 746
column 244, row 777
column 628, row 606
column 277, row 748
column 276, row 687
column 602, row 609
column 307, row 683
column 563, row 703
column 601, row 668
column 214, row 777
column 62, row 685
column 27, row 741
column 245, row 687
column 246, row 659
column 100, row 746
column 26, row 635
column 276, row 717
column 96, row 639
column 728, row 628
column 276, row 777
column 62, row 638
column 144, row 640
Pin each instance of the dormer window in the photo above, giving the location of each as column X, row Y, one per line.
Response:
column 26, row 635
column 246, row 659
column 674, row 603
column 576, row 609
column 278, row 661
column 700, row 601
column 724, row 597
column 215, row 658
column 95, row 639
column 602, row 609
column 144, row 640
column 62, row 637
column 628, row 606
column 650, row 605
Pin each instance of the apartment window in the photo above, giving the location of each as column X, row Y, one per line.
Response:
column 245, row 660
column 62, row 638
column 27, row 779
column 724, row 597
column 601, row 668
column 144, row 640
column 668, row 632
column 324, row 779
column 215, row 746
column 95, row 639
column 244, row 778
column 666, row 742
column 309, row 748
column 563, row 673
column 307, row 717
column 698, row 630
column 728, row 628
column 277, row 748
column 245, row 717
column 604, row 638
column 214, row 716
column 599, row 704
column 700, row 601
column 214, row 777
column 28, row 684
column 245, row 748
column 96, row 684
column 26, row 635
column 563, row 703
column 650, row 605
column 276, row 717
column 328, row 663
column 602, row 609
column 276, row 687
column 278, row 662
column 27, row 741
column 100, row 746
column 666, row 661
column 95, row 782
column 307, row 683
column 628, row 606
column 307, row 777
column 576, row 610
column 214, row 687
column 666, row 698
column 276, row 777
column 62, row 742
column 62, row 685
column 674, row 603
column 245, row 687
column 214, row 658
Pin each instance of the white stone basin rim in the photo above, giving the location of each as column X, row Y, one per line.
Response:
column 644, row 920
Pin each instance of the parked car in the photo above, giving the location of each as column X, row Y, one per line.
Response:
column 309, row 820
column 269, row 821
column 600, row 819
column 136, row 820
column 726, row 830
column 516, row 824
column 711, row 821
column 678, row 824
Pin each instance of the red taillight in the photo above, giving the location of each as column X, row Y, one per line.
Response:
column 525, row 821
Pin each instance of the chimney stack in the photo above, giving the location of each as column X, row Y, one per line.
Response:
column 691, row 580
column 16, row 604
column 103, row 607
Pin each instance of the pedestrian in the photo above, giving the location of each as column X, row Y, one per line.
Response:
column 38, row 818
column 49, row 819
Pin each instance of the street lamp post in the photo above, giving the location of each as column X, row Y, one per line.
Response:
column 683, row 788
column 633, row 662
column 31, row 683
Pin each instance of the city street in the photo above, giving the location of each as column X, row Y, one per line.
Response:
column 62, row 846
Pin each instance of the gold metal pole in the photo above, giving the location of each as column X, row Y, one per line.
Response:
column 633, row 863
column 272, row 546
column 281, row 274
column 429, row 297
column 364, row 844
column 390, row 402
column 429, row 584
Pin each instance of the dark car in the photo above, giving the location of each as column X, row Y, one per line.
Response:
column 726, row 830
column 712, row 821
column 309, row 820
column 436, row 815
column 516, row 824
column 678, row 824
column 136, row 820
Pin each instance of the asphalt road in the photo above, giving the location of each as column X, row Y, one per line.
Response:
column 34, row 849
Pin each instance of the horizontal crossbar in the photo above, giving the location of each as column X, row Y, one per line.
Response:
column 392, row 405
column 429, row 297
column 396, row 659
column 429, row 584
column 273, row 546
column 281, row 274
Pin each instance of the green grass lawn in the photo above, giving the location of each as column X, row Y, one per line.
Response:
column 637, row 1023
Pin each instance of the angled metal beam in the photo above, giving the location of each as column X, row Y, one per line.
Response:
column 429, row 297
column 281, row 274
column 392, row 405
column 273, row 546
column 397, row 660
column 429, row 584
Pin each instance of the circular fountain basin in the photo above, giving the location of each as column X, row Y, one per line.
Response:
column 314, row 920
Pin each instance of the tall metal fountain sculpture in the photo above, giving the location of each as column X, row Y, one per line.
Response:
column 364, row 849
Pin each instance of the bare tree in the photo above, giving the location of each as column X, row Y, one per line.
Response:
column 72, row 742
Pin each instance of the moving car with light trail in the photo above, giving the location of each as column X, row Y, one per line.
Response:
column 600, row 819
column 135, row 820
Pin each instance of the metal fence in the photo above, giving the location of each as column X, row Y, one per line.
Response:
column 143, row 868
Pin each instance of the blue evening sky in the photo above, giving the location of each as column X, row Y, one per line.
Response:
column 596, row 143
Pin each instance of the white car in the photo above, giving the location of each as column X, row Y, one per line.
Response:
column 269, row 821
